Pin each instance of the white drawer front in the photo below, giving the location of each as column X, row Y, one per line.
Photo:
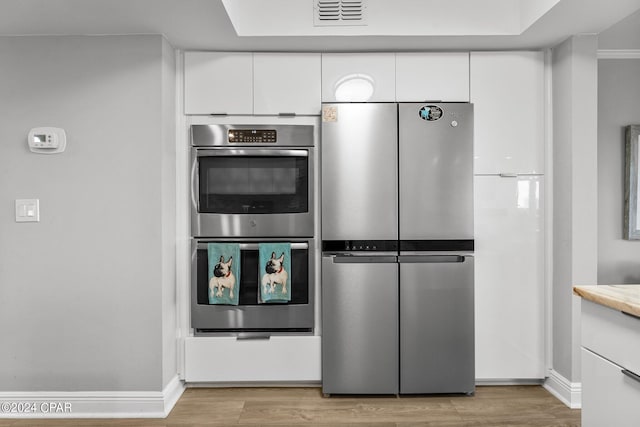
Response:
column 609, row 398
column 278, row 359
column 611, row 334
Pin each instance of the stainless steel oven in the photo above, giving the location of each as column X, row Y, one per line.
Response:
column 250, row 318
column 252, row 180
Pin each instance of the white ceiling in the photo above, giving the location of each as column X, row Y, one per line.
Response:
column 405, row 18
column 205, row 25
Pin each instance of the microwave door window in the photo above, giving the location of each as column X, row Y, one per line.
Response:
column 255, row 185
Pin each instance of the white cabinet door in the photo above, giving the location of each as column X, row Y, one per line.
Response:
column 227, row 359
column 442, row 76
column 286, row 83
column 509, row 277
column 609, row 397
column 218, row 83
column 358, row 77
column 507, row 90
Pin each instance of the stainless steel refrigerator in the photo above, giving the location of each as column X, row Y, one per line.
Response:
column 397, row 241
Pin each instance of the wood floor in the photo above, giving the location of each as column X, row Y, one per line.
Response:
column 491, row 406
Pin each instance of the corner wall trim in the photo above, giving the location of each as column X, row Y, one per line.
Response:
column 92, row 404
column 567, row 392
column 618, row 53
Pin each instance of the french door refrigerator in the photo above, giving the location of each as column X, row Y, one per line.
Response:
column 397, row 241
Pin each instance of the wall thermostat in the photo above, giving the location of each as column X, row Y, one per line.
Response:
column 47, row 140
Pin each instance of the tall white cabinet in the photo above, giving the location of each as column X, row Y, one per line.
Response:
column 509, row 277
column 507, row 90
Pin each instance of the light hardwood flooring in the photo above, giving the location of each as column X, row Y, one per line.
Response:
column 490, row 406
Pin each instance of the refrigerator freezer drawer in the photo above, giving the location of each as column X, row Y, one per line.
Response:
column 436, row 326
column 360, row 327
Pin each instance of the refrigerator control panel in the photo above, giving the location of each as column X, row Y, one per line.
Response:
column 359, row 245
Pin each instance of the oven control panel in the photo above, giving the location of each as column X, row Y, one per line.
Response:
column 252, row 136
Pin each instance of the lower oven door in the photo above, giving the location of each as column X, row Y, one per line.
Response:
column 250, row 316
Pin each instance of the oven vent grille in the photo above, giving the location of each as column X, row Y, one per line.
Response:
column 339, row 12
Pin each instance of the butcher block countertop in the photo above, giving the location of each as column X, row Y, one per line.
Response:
column 619, row 297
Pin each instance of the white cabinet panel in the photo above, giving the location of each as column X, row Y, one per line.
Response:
column 509, row 277
column 218, row 83
column 611, row 334
column 278, row 359
column 507, row 90
column 442, row 76
column 609, row 398
column 286, row 83
column 355, row 70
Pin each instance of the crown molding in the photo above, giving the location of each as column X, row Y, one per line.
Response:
column 618, row 53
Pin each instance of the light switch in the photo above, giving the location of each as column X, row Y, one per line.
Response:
column 27, row 210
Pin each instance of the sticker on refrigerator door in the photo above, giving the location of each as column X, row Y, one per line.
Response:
column 430, row 113
column 329, row 113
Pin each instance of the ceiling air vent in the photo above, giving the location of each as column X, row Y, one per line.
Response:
column 339, row 12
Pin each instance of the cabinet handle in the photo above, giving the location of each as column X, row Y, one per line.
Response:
column 508, row 175
column 287, row 114
column 246, row 336
column 630, row 315
column 631, row 375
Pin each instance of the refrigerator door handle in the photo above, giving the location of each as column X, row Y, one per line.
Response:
column 365, row 259
column 430, row 259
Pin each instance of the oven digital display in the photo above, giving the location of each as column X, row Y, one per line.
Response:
column 236, row 136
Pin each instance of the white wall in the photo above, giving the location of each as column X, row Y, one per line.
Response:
column 618, row 106
column 575, row 203
column 84, row 293
column 169, row 211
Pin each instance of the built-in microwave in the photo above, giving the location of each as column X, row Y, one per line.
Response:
column 252, row 180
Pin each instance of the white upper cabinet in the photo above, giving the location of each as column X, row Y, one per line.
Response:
column 218, row 83
column 286, row 83
column 432, row 76
column 358, row 77
column 251, row 83
column 507, row 90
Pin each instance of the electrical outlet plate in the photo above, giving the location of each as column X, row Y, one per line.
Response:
column 27, row 210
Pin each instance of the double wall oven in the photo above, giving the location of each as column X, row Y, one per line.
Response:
column 253, row 184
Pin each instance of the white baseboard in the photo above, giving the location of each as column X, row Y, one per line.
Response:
column 567, row 392
column 83, row 404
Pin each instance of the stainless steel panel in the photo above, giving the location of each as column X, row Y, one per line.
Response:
column 437, row 327
column 251, row 225
column 436, row 173
column 262, row 152
column 365, row 259
column 360, row 327
column 252, row 246
column 359, row 172
column 217, row 135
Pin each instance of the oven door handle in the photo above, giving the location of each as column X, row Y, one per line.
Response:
column 235, row 152
column 252, row 246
